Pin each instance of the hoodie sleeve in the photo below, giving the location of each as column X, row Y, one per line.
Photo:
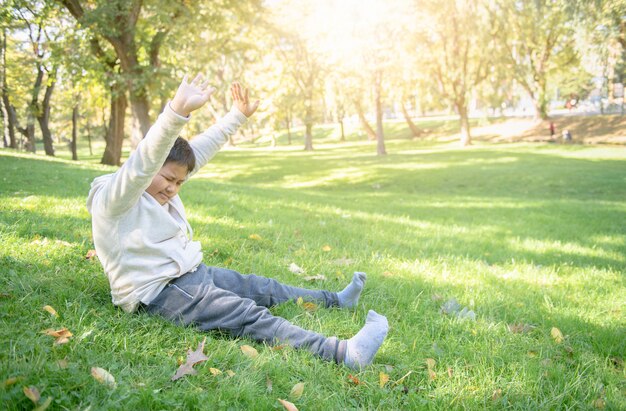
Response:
column 208, row 143
column 118, row 193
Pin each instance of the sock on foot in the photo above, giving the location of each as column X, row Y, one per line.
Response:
column 361, row 349
column 349, row 297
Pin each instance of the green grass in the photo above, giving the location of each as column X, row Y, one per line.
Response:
column 519, row 233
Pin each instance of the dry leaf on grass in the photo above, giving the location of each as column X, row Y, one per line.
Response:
column 383, row 379
column 193, row 358
column 90, row 254
column 10, row 381
column 63, row 363
column 296, row 391
column 255, row 237
column 215, row 371
column 294, row 268
column 268, row 383
column 319, row 277
column 249, row 351
column 309, row 306
column 51, row 310
column 354, row 379
column 326, row 248
column 430, row 364
column 103, row 377
column 44, row 405
column 32, row 393
column 288, row 405
column 496, row 394
column 230, row 373
column 519, row 328
column 599, row 404
column 61, row 336
column 343, row 261
column 556, row 335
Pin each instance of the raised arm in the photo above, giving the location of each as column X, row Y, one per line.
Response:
column 207, row 144
column 121, row 190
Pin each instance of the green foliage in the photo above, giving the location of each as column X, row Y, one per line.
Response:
column 520, row 233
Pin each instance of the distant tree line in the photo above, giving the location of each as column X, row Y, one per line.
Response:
column 104, row 69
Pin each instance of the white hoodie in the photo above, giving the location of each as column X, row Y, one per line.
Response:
column 140, row 244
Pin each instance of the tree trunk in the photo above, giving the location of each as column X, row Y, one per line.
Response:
column 308, row 125
column 88, row 127
column 414, row 129
column 288, row 121
column 74, row 131
column 32, row 111
column 380, row 135
column 343, row 134
column 8, row 127
column 466, row 138
column 115, row 131
column 43, row 116
column 141, row 116
column 371, row 135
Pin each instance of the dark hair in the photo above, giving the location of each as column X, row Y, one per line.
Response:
column 181, row 153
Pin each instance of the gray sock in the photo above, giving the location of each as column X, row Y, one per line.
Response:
column 361, row 349
column 349, row 297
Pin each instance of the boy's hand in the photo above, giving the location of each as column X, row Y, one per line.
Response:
column 191, row 96
column 241, row 100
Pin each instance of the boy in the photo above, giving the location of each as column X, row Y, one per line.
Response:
column 146, row 247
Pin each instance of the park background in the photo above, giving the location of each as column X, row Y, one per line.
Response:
column 408, row 139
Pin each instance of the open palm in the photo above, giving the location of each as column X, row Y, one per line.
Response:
column 241, row 99
column 191, row 96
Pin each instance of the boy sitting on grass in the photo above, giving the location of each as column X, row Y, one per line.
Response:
column 146, row 247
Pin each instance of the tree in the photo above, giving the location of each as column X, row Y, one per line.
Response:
column 458, row 40
column 539, row 40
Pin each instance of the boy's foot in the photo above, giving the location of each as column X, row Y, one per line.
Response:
column 349, row 297
column 361, row 348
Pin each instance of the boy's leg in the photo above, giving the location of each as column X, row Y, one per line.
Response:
column 268, row 292
column 194, row 299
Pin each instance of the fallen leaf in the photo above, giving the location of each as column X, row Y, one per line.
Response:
column 255, row 237
column 10, row 381
column 319, row 277
column 268, row 383
column 388, row 274
column 184, row 369
column 436, row 297
column 215, row 371
column 343, row 261
column 85, row 335
column 532, row 354
column 62, row 336
column 103, row 377
column 299, row 301
column 556, row 335
column 278, row 347
column 90, row 254
column 288, row 405
column 51, row 310
column 599, row 404
column 430, row 363
column 230, row 373
column 388, row 367
column 249, row 351
column 297, row 390
column 382, row 379
column 193, row 358
column 32, row 393
column 496, row 394
column 326, row 248
column 294, row 268
column 309, row 306
column 44, row 405
column 354, row 379
column 450, row 372
column 62, row 363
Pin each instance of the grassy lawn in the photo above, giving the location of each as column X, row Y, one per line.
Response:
column 530, row 237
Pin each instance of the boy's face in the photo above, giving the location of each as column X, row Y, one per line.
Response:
column 167, row 182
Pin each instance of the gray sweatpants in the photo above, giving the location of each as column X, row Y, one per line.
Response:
column 216, row 298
